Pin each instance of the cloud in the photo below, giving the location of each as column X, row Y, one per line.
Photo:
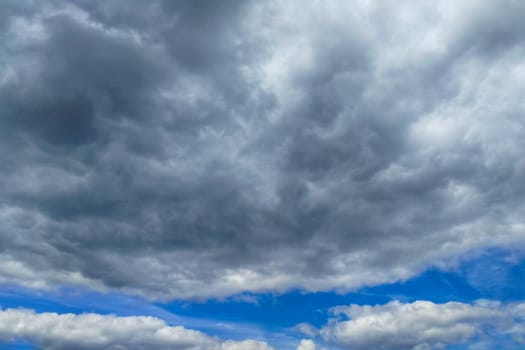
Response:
column 306, row 329
column 306, row 344
column 422, row 325
column 95, row 331
column 176, row 150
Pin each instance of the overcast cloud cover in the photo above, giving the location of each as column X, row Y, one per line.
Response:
column 197, row 149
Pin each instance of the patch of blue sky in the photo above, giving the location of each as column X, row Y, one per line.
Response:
column 17, row 345
column 497, row 274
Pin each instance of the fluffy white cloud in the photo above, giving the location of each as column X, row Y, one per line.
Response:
column 421, row 325
column 307, row 344
column 94, row 331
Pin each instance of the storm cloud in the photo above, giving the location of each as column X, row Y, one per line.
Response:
column 189, row 149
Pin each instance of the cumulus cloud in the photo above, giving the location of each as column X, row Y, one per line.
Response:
column 306, row 344
column 306, row 329
column 421, row 325
column 176, row 149
column 94, row 331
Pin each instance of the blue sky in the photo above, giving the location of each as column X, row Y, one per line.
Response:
column 262, row 175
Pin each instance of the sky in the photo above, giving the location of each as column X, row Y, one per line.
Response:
column 262, row 174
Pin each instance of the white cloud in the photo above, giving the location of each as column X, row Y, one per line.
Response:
column 420, row 325
column 307, row 344
column 306, row 329
column 95, row 331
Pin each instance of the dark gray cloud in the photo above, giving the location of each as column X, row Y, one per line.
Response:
column 196, row 149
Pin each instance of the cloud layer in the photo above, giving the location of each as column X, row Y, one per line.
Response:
column 423, row 325
column 94, row 331
column 179, row 150
column 420, row 325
